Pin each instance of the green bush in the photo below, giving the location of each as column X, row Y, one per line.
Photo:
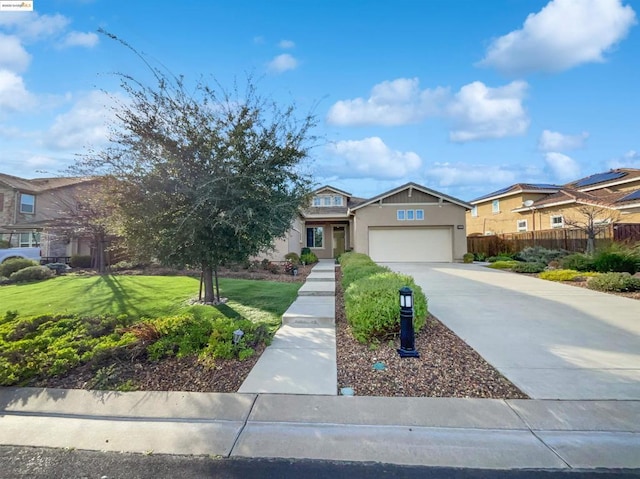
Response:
column 577, row 262
column 538, row 254
column 501, row 257
column 80, row 261
column 614, row 282
column 528, row 268
column 4, row 244
column 615, row 261
column 292, row 257
column 4, row 280
column 503, row 264
column 467, row 258
column 10, row 266
column 308, row 258
column 32, row 273
column 480, row 256
column 372, row 306
column 305, row 250
column 565, row 274
column 356, row 266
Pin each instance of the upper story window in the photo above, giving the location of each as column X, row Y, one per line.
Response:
column 327, row 200
column 27, row 203
column 419, row 215
column 400, row 216
column 474, row 211
column 557, row 221
column 495, row 206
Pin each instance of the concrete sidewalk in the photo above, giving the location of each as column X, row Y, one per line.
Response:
column 302, row 357
column 473, row 433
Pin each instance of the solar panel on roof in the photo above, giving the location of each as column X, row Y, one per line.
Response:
column 600, row 177
column 631, row 196
column 495, row 193
column 545, row 185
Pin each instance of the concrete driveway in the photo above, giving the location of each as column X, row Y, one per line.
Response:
column 553, row 341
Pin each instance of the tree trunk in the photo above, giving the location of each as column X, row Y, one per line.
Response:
column 208, row 282
column 591, row 244
column 215, row 272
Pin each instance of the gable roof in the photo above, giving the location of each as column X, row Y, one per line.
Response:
column 329, row 187
column 607, row 178
column 602, row 197
column 518, row 188
column 415, row 186
column 39, row 185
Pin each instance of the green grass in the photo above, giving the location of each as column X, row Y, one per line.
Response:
column 144, row 296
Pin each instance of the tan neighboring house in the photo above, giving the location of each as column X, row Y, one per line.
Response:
column 534, row 207
column 29, row 210
column 410, row 223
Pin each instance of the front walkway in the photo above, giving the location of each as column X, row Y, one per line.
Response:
column 302, row 357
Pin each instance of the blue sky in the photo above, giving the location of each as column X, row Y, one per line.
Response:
column 464, row 97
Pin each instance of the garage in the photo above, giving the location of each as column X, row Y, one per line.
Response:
column 411, row 245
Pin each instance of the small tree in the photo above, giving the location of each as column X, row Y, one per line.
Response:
column 202, row 176
column 592, row 220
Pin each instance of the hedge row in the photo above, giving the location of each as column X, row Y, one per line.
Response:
column 371, row 298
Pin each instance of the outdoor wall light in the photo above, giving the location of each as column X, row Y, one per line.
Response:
column 237, row 335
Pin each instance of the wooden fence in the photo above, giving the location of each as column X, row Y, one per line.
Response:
column 573, row 240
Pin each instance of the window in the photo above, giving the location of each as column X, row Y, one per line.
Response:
column 326, row 201
column 557, row 221
column 400, row 215
column 495, row 206
column 315, row 237
column 337, row 201
column 410, row 215
column 27, row 203
column 474, row 211
column 28, row 240
column 317, row 201
column 522, row 225
column 419, row 215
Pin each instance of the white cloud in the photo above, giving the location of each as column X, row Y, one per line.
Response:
column 286, row 44
column 554, row 141
column 13, row 56
column 479, row 112
column 282, row 63
column 13, row 93
column 562, row 166
column 79, row 39
column 86, row 123
column 446, row 174
column 396, row 102
column 37, row 161
column 565, row 33
column 631, row 159
column 34, row 26
column 370, row 158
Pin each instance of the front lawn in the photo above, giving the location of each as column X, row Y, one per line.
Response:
column 52, row 327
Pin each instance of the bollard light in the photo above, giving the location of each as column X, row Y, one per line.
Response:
column 407, row 336
column 237, row 335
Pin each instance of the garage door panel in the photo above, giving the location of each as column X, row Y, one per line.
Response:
column 411, row 245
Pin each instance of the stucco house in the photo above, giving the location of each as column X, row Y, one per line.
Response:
column 408, row 223
column 30, row 210
column 534, row 207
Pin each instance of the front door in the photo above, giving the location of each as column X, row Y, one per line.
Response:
column 338, row 241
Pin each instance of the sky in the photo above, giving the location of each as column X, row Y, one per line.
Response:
column 461, row 96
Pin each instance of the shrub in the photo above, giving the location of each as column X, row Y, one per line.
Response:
column 503, row 264
column 356, row 266
column 10, row 266
column 80, row 261
column 372, row 306
column 560, row 275
column 614, row 282
column 467, row 258
column 615, row 261
column 32, row 273
column 273, row 268
column 305, row 250
column 292, row 257
column 4, row 244
column 308, row 258
column 4, row 280
column 538, row 254
column 479, row 256
column 577, row 262
column 528, row 268
column 493, row 259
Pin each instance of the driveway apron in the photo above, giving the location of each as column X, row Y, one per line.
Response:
column 553, row 341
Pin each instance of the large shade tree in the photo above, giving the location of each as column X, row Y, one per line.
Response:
column 203, row 175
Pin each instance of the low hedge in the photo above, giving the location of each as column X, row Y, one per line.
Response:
column 356, row 266
column 614, row 282
column 503, row 264
column 565, row 274
column 10, row 266
column 372, row 306
column 528, row 268
column 32, row 273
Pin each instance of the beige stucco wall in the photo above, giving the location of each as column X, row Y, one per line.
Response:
column 376, row 215
column 505, row 221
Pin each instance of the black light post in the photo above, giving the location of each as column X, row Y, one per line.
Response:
column 407, row 337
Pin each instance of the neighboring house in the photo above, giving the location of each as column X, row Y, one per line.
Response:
column 534, row 207
column 408, row 223
column 30, row 209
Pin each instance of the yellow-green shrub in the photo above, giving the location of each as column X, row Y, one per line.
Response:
column 503, row 264
column 564, row 274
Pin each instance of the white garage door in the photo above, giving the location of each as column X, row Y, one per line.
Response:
column 411, row 244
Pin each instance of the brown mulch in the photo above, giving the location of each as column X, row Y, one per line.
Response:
column 447, row 366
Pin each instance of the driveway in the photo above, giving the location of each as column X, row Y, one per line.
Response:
column 553, row 341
